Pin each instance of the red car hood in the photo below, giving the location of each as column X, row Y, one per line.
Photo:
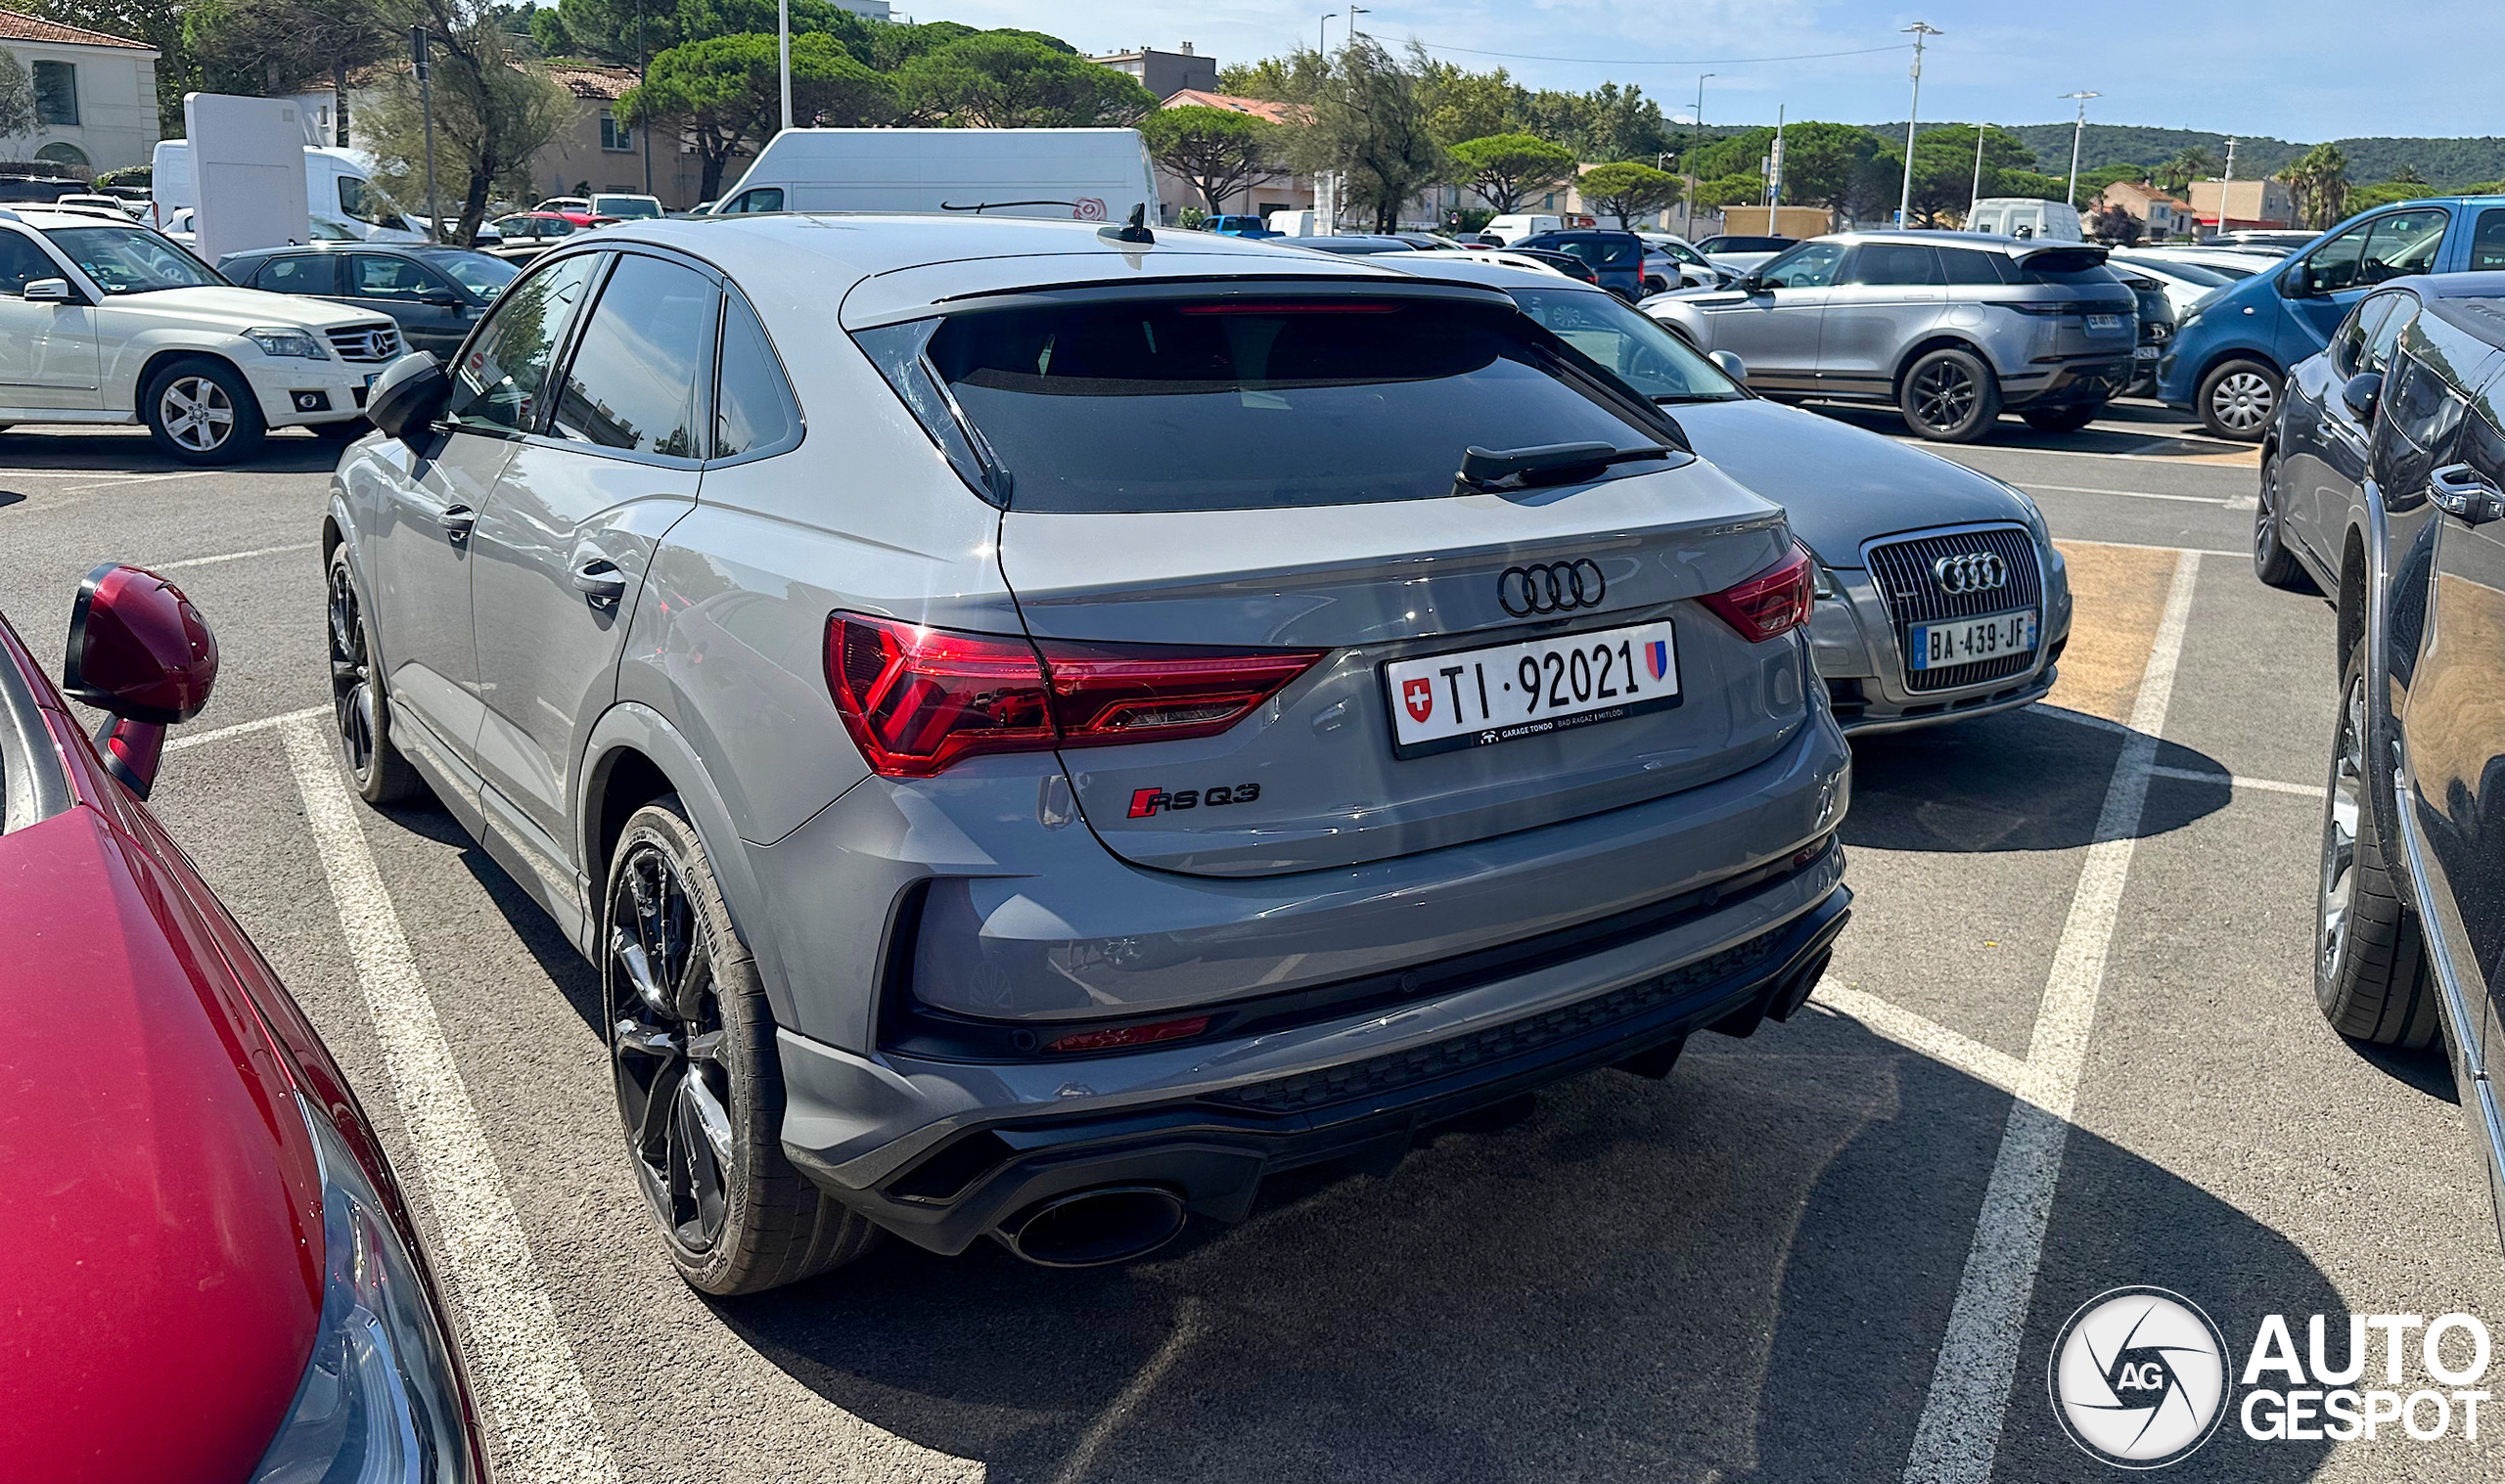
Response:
column 161, row 1220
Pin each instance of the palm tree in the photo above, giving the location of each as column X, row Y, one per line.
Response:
column 2319, row 180
column 2190, row 164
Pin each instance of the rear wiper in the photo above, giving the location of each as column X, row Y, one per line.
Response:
column 1489, row 469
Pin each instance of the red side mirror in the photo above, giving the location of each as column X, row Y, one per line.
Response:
column 140, row 651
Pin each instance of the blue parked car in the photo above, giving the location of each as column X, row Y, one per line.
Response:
column 1618, row 257
column 1238, row 224
column 2231, row 352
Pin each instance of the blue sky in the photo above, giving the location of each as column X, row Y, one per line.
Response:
column 2299, row 69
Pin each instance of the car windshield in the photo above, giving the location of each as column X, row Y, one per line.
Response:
column 477, row 272
column 129, row 260
column 1230, row 404
column 625, row 205
column 1629, row 343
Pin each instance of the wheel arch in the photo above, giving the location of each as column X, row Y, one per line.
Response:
column 1925, row 346
column 633, row 757
column 164, row 357
column 2350, row 602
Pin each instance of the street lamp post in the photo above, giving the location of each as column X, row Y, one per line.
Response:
column 1920, row 31
column 1354, row 12
column 2078, row 131
column 1687, row 203
column 782, row 31
column 1322, row 33
column 1974, row 193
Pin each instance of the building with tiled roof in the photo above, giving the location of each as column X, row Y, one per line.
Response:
column 95, row 95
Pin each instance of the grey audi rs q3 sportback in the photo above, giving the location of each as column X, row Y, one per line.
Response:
column 1040, row 726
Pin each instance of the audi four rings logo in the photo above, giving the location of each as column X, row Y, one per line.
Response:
column 1551, row 586
column 1969, row 572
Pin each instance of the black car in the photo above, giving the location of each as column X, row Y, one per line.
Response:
column 436, row 293
column 1616, row 258
column 1714, row 245
column 2156, row 327
column 2382, row 486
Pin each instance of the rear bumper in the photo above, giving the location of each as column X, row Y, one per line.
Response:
column 1213, row 1138
column 2079, row 379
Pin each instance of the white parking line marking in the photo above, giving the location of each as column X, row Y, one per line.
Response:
column 2239, row 782
column 1985, row 1063
column 258, row 551
column 2136, row 494
column 1959, row 1433
column 2205, row 461
column 1187, row 1329
column 181, row 741
column 103, row 480
column 518, row 1354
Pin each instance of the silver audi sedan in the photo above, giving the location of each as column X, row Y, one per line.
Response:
column 1939, row 592
column 1040, row 726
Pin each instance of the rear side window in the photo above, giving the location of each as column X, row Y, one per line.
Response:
column 2384, row 337
column 2350, row 347
column 2487, row 240
column 754, row 408
column 1892, row 263
column 631, row 385
column 1965, row 265
column 1184, row 405
column 498, row 383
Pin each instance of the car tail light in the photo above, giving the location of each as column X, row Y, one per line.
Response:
column 918, row 700
column 1773, row 602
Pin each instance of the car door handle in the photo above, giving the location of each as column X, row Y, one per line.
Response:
column 599, row 580
column 2459, row 490
column 456, row 521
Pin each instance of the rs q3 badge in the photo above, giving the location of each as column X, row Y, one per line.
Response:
column 1147, row 802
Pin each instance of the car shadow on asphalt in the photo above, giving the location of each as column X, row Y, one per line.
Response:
column 2124, row 427
column 1741, row 1273
column 2027, row 779
column 130, row 451
column 567, row 968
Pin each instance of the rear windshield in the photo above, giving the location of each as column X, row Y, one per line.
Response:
column 1746, row 244
column 1189, row 405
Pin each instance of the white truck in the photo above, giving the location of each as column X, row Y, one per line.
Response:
column 1087, row 174
column 340, row 201
column 2025, row 216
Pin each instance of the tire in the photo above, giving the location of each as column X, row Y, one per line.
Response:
column 1656, row 285
column 2237, row 398
column 2371, row 975
column 2061, row 419
column 1949, row 396
column 360, row 713
column 704, row 1129
column 2272, row 562
column 201, row 410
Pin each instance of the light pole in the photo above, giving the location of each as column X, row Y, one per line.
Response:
column 1920, row 31
column 2226, row 184
column 1774, row 172
column 783, row 32
column 1687, row 203
column 1354, row 12
column 1322, row 33
column 2078, row 131
column 1976, row 192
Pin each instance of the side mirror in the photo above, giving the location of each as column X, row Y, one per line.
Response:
column 2297, row 282
column 1749, row 283
column 139, row 651
column 1732, row 366
column 409, row 397
column 49, row 291
column 2361, row 394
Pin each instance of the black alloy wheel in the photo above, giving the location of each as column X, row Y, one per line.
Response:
column 1950, row 396
column 358, row 711
column 667, row 1046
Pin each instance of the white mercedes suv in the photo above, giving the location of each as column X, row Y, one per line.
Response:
column 110, row 322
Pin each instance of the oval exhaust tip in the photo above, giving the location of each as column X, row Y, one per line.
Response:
column 1088, row 1229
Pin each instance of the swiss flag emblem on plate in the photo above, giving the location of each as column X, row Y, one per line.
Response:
column 1419, row 696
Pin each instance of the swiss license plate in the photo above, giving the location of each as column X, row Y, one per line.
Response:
column 1970, row 641
column 2144, row 352
column 2103, row 322
column 1476, row 697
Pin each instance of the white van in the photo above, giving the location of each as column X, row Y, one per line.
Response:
column 339, row 193
column 1298, row 223
column 1516, row 226
column 2025, row 216
column 1090, row 174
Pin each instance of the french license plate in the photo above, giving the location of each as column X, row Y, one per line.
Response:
column 1970, row 641
column 2144, row 352
column 2103, row 322
column 1477, row 697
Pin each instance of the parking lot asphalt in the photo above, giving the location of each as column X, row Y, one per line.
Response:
column 2068, row 1044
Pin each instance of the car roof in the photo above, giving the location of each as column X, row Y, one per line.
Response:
column 2015, row 247
column 918, row 261
column 328, row 245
